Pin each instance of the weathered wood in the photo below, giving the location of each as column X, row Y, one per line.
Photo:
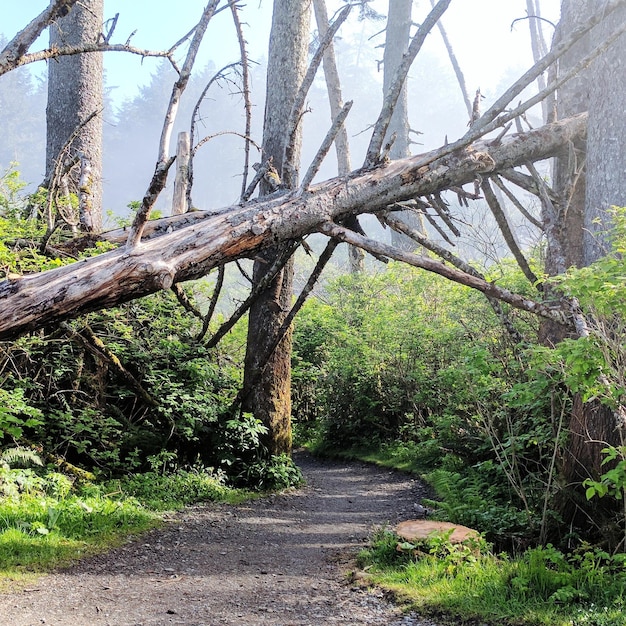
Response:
column 189, row 252
column 181, row 183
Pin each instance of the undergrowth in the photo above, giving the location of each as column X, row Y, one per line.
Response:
column 468, row 584
column 48, row 520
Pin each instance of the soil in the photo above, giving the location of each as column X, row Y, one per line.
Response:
column 281, row 560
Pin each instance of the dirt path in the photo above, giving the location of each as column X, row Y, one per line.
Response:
column 279, row 561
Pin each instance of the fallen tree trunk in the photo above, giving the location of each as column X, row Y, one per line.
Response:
column 192, row 244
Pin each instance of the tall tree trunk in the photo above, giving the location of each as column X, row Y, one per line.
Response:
column 589, row 178
column 267, row 383
column 606, row 156
column 356, row 256
column 396, row 44
column 74, row 93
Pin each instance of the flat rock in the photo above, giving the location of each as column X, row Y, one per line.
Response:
column 418, row 529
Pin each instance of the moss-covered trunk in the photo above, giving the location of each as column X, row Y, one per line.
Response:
column 268, row 382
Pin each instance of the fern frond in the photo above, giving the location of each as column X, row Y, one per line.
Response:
column 19, row 456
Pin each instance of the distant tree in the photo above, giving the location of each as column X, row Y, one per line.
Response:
column 137, row 122
column 397, row 36
column 74, row 112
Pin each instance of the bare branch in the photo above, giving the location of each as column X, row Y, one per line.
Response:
column 183, row 79
column 356, row 256
column 455, row 65
column 485, row 123
column 86, row 48
column 507, row 233
column 157, row 185
column 333, row 87
column 261, row 170
column 490, row 289
column 14, row 51
column 217, row 290
column 245, row 78
column 259, row 287
column 550, row 220
column 518, row 205
column 95, row 345
column 538, row 47
column 185, row 302
column 164, row 162
column 337, row 126
column 457, row 262
column 443, row 211
column 248, row 140
column 221, row 74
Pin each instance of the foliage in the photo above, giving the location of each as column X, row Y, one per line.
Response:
column 11, row 200
column 167, row 491
column 94, row 415
column 478, row 500
column 381, row 371
column 16, row 414
column 371, row 346
column 244, row 459
column 613, row 481
column 542, row 587
column 413, row 371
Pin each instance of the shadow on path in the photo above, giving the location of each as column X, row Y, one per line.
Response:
column 278, row 561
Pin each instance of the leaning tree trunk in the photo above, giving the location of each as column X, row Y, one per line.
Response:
column 590, row 179
column 267, row 381
column 74, row 94
column 186, row 247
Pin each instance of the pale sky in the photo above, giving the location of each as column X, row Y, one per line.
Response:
column 480, row 31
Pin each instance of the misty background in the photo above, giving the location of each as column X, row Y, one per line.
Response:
column 493, row 50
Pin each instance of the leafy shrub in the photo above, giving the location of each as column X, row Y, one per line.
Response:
column 16, row 414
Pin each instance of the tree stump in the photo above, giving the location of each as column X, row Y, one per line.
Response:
column 420, row 529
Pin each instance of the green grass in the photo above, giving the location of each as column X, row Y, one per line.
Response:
column 46, row 522
column 470, row 585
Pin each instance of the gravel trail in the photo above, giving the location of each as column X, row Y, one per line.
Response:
column 278, row 561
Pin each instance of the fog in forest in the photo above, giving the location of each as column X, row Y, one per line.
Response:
column 133, row 120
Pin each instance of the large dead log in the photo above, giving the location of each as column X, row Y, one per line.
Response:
column 194, row 244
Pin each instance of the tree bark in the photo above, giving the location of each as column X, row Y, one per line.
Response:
column 589, row 179
column 267, row 378
column 187, row 247
column 74, row 93
column 606, row 156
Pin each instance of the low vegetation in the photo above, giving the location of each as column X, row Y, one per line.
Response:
column 468, row 584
